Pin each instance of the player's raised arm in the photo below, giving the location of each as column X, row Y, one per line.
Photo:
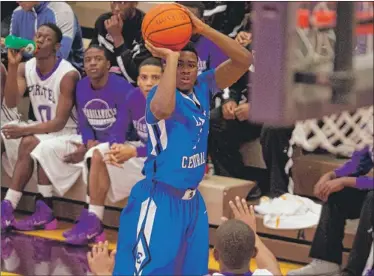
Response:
column 240, row 59
column 163, row 102
column 15, row 85
column 64, row 107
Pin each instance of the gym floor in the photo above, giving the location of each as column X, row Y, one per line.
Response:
column 45, row 253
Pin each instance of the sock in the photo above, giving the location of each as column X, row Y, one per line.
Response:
column 97, row 210
column 45, row 190
column 14, row 197
column 46, row 195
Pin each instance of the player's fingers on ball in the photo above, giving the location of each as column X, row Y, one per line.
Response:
column 89, row 257
column 113, row 253
column 223, row 219
column 94, row 250
column 245, row 205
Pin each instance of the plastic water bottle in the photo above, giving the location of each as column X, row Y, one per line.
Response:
column 14, row 42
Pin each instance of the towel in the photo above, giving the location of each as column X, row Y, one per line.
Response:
column 289, row 212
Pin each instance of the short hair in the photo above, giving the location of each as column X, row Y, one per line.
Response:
column 190, row 48
column 56, row 30
column 197, row 5
column 235, row 243
column 99, row 47
column 151, row 61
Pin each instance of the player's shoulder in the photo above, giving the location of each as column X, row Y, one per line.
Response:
column 18, row 12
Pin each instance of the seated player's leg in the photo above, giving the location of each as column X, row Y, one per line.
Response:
column 89, row 227
column 43, row 217
column 196, row 258
column 50, row 155
column 327, row 247
column 23, row 171
column 364, row 239
column 152, row 232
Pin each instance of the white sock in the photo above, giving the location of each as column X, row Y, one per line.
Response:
column 87, row 199
column 14, row 197
column 45, row 190
column 97, row 210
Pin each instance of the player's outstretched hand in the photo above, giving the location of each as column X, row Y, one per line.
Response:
column 242, row 212
column 77, row 155
column 100, row 261
column 159, row 52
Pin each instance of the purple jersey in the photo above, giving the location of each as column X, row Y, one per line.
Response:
column 103, row 114
column 210, row 55
column 137, row 103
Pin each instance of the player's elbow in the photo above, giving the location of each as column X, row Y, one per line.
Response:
column 161, row 111
column 59, row 124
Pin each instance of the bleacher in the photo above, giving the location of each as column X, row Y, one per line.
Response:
column 288, row 245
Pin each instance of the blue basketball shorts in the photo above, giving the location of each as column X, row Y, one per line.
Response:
column 162, row 234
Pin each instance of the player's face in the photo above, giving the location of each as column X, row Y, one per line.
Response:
column 186, row 71
column 46, row 42
column 27, row 6
column 149, row 76
column 124, row 8
column 96, row 64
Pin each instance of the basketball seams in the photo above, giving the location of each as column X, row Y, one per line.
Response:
column 171, row 9
column 168, row 28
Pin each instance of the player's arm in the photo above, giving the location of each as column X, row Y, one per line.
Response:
column 64, row 107
column 15, row 85
column 240, row 59
column 3, row 80
column 162, row 104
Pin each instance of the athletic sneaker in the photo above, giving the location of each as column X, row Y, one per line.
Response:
column 7, row 217
column 83, row 214
column 88, row 229
column 317, row 268
column 42, row 218
column 7, row 246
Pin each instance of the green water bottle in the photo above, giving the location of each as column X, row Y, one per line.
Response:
column 14, row 42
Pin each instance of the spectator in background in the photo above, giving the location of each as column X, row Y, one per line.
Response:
column 27, row 18
column 119, row 31
column 347, row 194
column 230, row 129
column 225, row 16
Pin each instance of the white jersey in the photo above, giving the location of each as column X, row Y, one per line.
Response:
column 44, row 91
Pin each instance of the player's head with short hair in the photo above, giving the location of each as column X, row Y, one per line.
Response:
column 150, row 71
column 235, row 246
column 48, row 40
column 124, row 8
column 187, row 70
column 96, row 62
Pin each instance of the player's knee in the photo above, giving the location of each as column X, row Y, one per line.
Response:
column 97, row 158
column 27, row 145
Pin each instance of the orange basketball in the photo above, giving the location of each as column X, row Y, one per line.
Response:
column 167, row 26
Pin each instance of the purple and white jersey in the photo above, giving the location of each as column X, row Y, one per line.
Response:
column 210, row 55
column 103, row 114
column 137, row 104
column 44, row 91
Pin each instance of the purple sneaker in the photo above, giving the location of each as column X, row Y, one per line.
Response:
column 83, row 214
column 7, row 217
column 7, row 246
column 88, row 229
column 42, row 218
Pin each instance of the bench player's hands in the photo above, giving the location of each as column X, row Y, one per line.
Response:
column 76, row 156
column 15, row 56
column 228, row 110
column 242, row 212
column 242, row 112
column 321, row 182
column 244, row 38
column 13, row 131
column 158, row 52
column 100, row 261
column 119, row 154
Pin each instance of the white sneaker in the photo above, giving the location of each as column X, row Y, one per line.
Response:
column 317, row 268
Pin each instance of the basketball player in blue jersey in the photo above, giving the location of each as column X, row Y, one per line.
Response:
column 50, row 83
column 164, row 227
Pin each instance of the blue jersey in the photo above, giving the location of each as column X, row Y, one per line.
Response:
column 177, row 146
